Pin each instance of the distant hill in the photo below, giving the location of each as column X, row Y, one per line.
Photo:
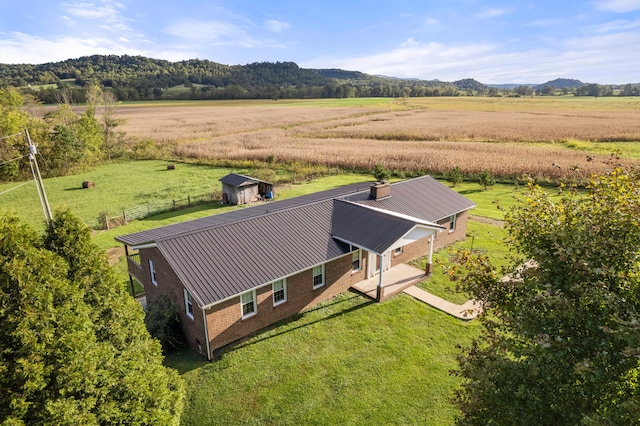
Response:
column 142, row 78
column 510, row 86
column 469, row 84
column 559, row 83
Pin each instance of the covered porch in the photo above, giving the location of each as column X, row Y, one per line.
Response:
column 394, row 280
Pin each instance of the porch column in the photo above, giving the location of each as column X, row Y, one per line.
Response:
column 429, row 265
column 379, row 288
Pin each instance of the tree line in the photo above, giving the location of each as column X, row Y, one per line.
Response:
column 69, row 141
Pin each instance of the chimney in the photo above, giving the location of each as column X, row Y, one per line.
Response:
column 380, row 190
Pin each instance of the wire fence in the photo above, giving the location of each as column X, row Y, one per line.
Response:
column 150, row 209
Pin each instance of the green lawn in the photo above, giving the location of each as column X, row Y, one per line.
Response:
column 481, row 237
column 347, row 361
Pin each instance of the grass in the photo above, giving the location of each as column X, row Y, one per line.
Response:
column 128, row 184
column 347, row 361
column 481, row 237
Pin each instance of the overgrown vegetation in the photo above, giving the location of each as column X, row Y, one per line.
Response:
column 67, row 142
column 74, row 346
column 163, row 323
column 560, row 338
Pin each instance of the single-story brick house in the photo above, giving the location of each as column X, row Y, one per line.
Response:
column 235, row 273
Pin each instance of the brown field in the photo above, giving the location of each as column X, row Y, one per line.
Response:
column 545, row 139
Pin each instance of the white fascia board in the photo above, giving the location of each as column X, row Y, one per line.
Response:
column 400, row 215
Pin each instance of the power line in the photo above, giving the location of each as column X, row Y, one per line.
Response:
column 16, row 187
column 10, row 136
column 14, row 159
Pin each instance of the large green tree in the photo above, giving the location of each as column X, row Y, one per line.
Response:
column 74, row 348
column 560, row 341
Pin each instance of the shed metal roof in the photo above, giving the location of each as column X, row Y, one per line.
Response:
column 223, row 255
column 240, row 180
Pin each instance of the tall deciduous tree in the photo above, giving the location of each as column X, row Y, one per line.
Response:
column 560, row 341
column 74, row 348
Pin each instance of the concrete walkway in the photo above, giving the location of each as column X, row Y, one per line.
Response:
column 467, row 311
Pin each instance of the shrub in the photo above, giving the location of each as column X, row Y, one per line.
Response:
column 163, row 323
column 455, row 176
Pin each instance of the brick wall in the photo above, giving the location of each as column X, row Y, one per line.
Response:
column 445, row 237
column 169, row 284
column 421, row 247
column 225, row 321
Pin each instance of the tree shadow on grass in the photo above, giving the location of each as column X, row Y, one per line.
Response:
column 470, row 191
column 254, row 338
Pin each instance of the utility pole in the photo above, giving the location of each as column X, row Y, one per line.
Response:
column 35, row 170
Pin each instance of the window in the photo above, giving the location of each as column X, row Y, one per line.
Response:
column 188, row 303
column 279, row 292
column 356, row 260
column 452, row 223
column 152, row 271
column 248, row 302
column 318, row 276
column 397, row 251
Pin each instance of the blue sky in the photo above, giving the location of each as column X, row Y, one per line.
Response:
column 491, row 41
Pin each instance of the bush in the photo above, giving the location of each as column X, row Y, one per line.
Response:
column 455, row 176
column 163, row 323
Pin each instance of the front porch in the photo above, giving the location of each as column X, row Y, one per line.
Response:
column 394, row 280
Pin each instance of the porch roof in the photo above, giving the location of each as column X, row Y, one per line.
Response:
column 372, row 229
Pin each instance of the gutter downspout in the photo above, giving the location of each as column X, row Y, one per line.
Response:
column 206, row 333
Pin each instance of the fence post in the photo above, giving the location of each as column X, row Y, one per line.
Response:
column 174, row 205
column 189, row 200
column 124, row 216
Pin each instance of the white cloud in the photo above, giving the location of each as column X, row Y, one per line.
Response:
column 618, row 6
column 431, row 21
column 25, row 48
column 616, row 26
column 544, row 23
column 492, row 13
column 105, row 9
column 276, row 26
column 590, row 59
column 218, row 33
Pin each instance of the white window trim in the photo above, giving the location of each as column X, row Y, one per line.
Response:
column 398, row 251
column 255, row 305
column 152, row 272
column 188, row 301
column 453, row 221
column 359, row 251
column 284, row 288
column 313, row 277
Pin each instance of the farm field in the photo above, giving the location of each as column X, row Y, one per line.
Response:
column 545, row 138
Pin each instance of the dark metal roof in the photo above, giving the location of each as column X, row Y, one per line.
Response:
column 424, row 198
column 222, row 255
column 240, row 180
column 152, row 235
column 220, row 262
column 362, row 226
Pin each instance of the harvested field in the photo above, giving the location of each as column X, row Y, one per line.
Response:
column 567, row 140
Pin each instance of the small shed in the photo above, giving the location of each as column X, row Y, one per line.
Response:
column 241, row 189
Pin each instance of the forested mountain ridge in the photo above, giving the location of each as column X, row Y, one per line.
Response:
column 132, row 78
column 138, row 77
